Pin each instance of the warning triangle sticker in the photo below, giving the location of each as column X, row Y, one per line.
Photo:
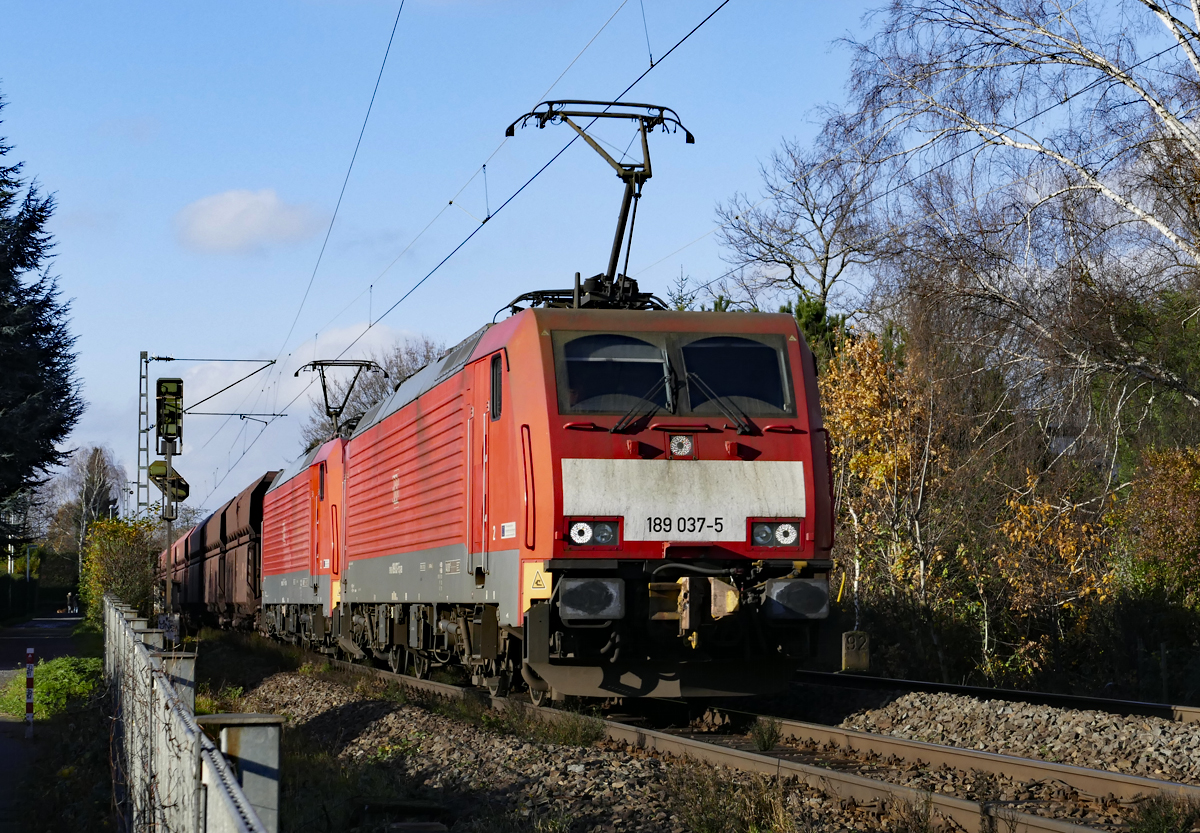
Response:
column 538, row 584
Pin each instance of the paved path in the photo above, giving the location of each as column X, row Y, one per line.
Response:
column 49, row 636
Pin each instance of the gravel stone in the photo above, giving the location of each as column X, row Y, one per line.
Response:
column 1146, row 746
column 473, row 771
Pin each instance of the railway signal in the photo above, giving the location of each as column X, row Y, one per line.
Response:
column 169, row 482
column 168, row 423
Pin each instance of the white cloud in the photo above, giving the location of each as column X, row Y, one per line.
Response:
column 240, row 221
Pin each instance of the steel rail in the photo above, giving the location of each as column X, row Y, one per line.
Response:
column 1181, row 714
column 1090, row 782
column 972, row 816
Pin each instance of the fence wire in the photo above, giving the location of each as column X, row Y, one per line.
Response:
column 168, row 776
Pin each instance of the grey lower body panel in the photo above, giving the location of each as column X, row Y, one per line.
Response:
column 298, row 588
column 718, row 678
column 440, row 575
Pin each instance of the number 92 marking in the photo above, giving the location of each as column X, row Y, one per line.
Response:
column 666, row 524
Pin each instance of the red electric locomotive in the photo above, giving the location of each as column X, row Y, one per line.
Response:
column 595, row 497
column 603, row 502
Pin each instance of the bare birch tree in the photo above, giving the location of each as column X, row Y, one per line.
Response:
column 87, row 491
column 810, row 231
column 1069, row 128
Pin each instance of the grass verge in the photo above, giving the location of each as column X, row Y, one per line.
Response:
column 1165, row 814
column 707, row 800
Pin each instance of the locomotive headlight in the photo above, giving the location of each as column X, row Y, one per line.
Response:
column 604, row 533
column 762, row 535
column 581, row 533
column 786, row 535
column 681, row 445
column 588, row 532
column 768, row 533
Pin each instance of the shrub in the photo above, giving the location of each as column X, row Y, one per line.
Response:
column 56, row 684
column 1161, row 522
column 1165, row 814
column 119, row 558
column 766, row 733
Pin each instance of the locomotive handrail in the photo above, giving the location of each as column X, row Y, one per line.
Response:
column 530, row 497
column 700, row 428
column 785, row 429
column 583, row 426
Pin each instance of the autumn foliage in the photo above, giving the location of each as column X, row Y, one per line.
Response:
column 965, row 574
column 118, row 558
column 1160, row 523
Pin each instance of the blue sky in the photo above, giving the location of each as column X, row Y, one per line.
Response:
column 197, row 152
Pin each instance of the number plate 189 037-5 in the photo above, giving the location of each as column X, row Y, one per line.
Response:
column 683, row 500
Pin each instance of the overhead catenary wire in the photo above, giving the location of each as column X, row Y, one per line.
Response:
column 266, row 364
column 337, row 207
column 529, row 181
column 465, row 185
column 345, row 181
column 954, row 158
column 475, row 231
column 370, row 290
column 477, row 172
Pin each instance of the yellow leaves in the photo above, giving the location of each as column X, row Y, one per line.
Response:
column 1053, row 558
column 876, row 417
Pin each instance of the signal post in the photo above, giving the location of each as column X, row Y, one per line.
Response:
column 168, row 429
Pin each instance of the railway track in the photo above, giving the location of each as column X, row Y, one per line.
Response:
column 1181, row 714
column 870, row 771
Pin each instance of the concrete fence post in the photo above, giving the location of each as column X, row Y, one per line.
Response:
column 180, row 668
column 250, row 742
column 152, row 638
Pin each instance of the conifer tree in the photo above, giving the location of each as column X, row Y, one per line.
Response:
column 40, row 399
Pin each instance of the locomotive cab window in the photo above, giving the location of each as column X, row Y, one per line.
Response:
column 747, row 372
column 497, row 369
column 602, row 373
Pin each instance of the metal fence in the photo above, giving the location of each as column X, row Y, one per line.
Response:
column 169, row 776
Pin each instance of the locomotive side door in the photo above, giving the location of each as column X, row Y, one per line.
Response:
column 477, row 557
column 335, row 491
column 317, row 499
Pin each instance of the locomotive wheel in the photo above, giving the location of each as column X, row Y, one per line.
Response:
column 421, row 666
column 398, row 660
column 539, row 698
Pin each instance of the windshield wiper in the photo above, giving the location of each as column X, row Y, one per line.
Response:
column 724, row 404
column 633, row 414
